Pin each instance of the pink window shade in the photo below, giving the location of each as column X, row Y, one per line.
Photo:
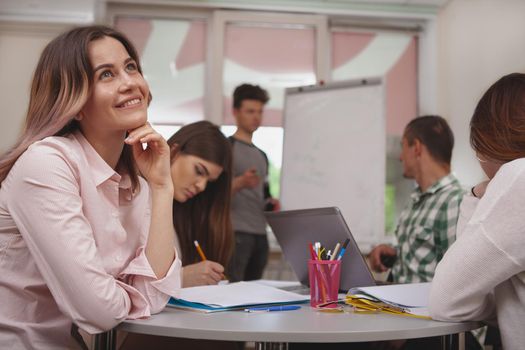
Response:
column 274, row 58
column 345, row 46
column 173, row 60
column 391, row 56
column 401, row 91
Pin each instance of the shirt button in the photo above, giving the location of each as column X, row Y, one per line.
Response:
column 118, row 258
column 115, row 214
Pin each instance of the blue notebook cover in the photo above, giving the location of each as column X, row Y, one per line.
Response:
column 187, row 305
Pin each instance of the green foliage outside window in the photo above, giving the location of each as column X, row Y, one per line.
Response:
column 390, row 208
column 274, row 178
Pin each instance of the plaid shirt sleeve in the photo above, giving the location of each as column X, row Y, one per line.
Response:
column 446, row 221
column 427, row 227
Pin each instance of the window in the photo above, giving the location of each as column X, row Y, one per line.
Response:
column 274, row 57
column 392, row 56
column 274, row 52
column 173, row 55
column 193, row 58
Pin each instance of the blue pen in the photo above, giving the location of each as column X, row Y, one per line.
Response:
column 345, row 244
column 273, row 308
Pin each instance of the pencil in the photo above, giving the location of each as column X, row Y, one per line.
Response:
column 336, row 250
column 199, row 250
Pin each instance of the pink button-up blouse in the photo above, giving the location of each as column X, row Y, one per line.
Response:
column 72, row 240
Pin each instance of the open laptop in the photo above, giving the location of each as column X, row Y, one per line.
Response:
column 295, row 229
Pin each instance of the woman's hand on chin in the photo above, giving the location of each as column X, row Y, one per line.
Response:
column 479, row 190
column 153, row 161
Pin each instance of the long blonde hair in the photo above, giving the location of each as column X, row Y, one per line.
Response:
column 61, row 86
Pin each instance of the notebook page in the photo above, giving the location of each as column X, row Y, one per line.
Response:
column 407, row 295
column 237, row 294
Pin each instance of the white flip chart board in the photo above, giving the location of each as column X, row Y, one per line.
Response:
column 334, row 153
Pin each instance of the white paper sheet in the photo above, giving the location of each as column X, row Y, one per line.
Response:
column 240, row 293
column 411, row 295
column 277, row 284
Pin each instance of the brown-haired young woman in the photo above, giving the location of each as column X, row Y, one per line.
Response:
column 482, row 276
column 201, row 172
column 84, row 240
column 201, row 162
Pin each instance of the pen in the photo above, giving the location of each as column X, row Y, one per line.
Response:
column 317, row 246
column 312, row 251
column 199, row 250
column 345, row 244
column 336, row 250
column 322, row 253
column 273, row 308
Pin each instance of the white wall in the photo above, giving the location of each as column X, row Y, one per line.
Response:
column 479, row 41
column 20, row 48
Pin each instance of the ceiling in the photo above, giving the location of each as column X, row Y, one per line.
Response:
column 61, row 11
column 84, row 11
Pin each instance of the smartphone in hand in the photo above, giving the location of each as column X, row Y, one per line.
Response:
column 388, row 260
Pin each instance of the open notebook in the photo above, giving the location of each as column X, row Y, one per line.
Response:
column 233, row 296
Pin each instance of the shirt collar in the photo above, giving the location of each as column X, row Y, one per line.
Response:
column 445, row 181
column 99, row 168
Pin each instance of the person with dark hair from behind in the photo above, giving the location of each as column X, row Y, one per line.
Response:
column 482, row 276
column 250, row 189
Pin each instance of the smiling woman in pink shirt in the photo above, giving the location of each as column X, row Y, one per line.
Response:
column 84, row 240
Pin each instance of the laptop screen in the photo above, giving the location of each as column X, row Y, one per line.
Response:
column 295, row 229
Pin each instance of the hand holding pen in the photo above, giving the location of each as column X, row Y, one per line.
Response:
column 199, row 250
column 202, row 273
column 206, row 272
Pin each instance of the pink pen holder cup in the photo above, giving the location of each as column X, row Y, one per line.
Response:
column 324, row 282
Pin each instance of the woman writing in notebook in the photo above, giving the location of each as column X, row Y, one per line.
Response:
column 84, row 240
column 482, row 275
column 201, row 171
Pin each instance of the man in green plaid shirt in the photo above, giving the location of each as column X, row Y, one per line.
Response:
column 427, row 226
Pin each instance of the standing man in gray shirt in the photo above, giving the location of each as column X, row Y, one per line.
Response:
column 250, row 190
